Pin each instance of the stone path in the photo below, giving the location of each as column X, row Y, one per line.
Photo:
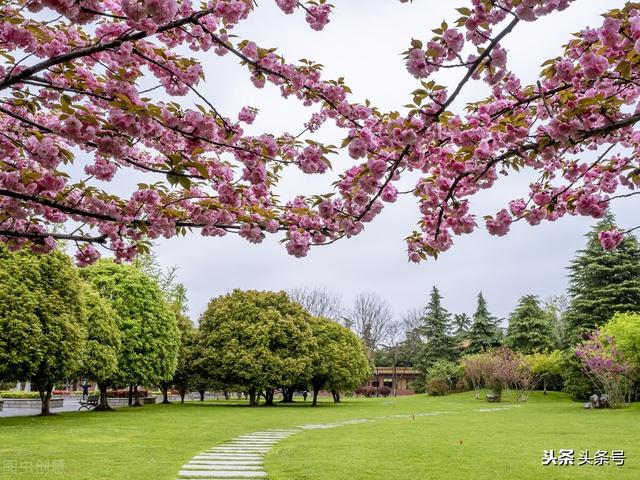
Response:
column 242, row 458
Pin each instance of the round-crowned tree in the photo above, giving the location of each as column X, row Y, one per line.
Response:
column 42, row 325
column 256, row 340
column 340, row 362
column 150, row 335
column 101, row 350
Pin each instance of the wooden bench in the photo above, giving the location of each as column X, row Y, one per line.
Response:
column 90, row 403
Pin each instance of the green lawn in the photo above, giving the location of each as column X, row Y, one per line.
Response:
column 455, row 442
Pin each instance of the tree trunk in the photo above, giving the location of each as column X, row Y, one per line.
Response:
column 130, row 395
column 544, row 383
column 182, row 394
column 316, row 391
column 252, row 397
column 268, row 397
column 164, row 387
column 287, row 394
column 336, row 396
column 103, row 403
column 227, row 395
column 395, row 374
column 201, row 392
column 45, row 396
column 136, row 396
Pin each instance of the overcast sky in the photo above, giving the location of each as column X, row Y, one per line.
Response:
column 363, row 43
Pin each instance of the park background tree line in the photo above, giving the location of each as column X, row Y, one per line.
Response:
column 127, row 325
column 602, row 285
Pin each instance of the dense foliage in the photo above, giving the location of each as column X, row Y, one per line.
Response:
column 603, row 283
column 529, row 327
column 42, row 322
column 256, row 341
column 148, row 325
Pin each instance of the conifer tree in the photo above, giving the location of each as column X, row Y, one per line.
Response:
column 602, row 283
column 530, row 328
column 461, row 325
column 484, row 332
column 435, row 325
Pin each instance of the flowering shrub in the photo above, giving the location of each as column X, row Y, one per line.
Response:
column 124, row 393
column 500, row 369
column 606, row 365
column 61, row 392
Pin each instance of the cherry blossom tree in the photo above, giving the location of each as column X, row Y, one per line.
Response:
column 91, row 91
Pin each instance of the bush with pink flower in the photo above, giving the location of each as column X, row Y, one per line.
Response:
column 606, row 365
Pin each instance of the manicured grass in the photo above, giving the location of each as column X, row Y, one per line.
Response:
column 461, row 443
column 154, row 441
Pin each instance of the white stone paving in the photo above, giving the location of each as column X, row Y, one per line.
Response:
column 239, row 459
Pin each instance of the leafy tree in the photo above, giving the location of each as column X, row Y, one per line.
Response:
column 484, row 333
column 102, row 347
column 42, row 323
column 529, row 327
column 625, row 329
column 556, row 309
column 435, row 327
column 548, row 367
column 256, row 340
column 184, row 376
column 150, row 335
column 602, row 283
column 445, row 371
column 340, row 362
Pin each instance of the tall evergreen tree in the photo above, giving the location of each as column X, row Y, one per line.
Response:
column 461, row 325
column 435, row 325
column 602, row 283
column 530, row 328
column 484, row 332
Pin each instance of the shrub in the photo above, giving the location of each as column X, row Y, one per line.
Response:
column 384, row 391
column 360, row 390
column 460, row 386
column 124, row 393
column 61, row 392
column 20, row 394
column 369, row 391
column 606, row 364
column 436, row 387
column 575, row 382
column 446, row 371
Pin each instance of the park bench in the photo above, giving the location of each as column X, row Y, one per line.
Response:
column 90, row 403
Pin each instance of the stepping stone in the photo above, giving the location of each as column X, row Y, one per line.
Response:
column 220, row 474
column 239, row 449
column 223, row 467
column 231, row 456
column 225, row 457
column 226, row 462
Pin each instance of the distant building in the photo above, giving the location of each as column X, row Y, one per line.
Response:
column 400, row 380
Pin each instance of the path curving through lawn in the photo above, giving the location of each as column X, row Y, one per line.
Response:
column 242, row 458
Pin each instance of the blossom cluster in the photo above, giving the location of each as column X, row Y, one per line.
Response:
column 78, row 89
